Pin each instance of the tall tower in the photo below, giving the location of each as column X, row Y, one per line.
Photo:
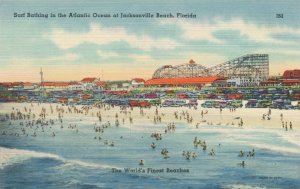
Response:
column 42, row 80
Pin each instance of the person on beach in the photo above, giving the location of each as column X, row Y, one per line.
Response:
column 242, row 164
column 212, row 152
column 141, row 163
column 291, row 126
column 153, row 145
column 194, row 155
column 241, row 154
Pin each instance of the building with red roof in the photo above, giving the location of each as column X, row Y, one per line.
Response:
column 289, row 78
column 89, row 83
column 291, row 74
column 89, row 80
column 56, row 85
column 181, row 81
column 6, row 84
column 291, row 82
column 28, row 86
column 137, row 82
column 100, row 85
column 75, row 86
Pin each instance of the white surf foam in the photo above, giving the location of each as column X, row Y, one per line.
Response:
column 244, row 186
column 281, row 149
column 10, row 156
column 86, row 164
column 292, row 137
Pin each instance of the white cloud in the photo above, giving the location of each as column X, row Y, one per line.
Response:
column 107, row 55
column 141, row 58
column 291, row 52
column 20, row 62
column 257, row 33
column 101, row 35
column 68, row 57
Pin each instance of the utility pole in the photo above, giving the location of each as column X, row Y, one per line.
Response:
column 42, row 84
column 42, row 80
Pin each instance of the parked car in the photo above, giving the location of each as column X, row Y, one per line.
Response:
column 208, row 104
column 155, row 102
column 252, row 103
column 264, row 103
column 192, row 102
column 236, row 104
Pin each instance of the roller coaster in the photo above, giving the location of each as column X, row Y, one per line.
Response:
column 247, row 66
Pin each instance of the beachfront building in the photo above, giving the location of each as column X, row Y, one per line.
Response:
column 56, row 86
column 243, row 81
column 16, row 86
column 291, row 74
column 118, row 85
column 75, row 86
column 220, row 82
column 125, row 86
column 181, row 82
column 28, row 86
column 89, row 83
column 289, row 78
column 137, row 82
column 4, row 86
column 100, row 85
column 272, row 82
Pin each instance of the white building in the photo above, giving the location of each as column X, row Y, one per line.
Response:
column 137, row 82
column 89, row 83
column 244, row 81
column 99, row 85
column 75, row 86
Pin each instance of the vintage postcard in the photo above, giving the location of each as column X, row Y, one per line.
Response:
column 149, row 94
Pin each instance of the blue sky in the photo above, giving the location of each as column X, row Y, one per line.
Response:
column 72, row 48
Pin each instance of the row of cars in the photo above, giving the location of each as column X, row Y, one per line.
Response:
column 276, row 104
column 215, row 98
column 222, row 104
column 251, row 103
column 151, row 102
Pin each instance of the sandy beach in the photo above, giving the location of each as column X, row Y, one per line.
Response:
column 251, row 117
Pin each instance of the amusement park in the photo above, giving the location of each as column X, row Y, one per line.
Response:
column 244, row 71
column 243, row 81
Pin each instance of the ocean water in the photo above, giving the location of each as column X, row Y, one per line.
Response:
column 76, row 160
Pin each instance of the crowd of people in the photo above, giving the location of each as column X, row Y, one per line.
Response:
column 35, row 119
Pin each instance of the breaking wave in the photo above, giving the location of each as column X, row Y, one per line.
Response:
column 10, row 156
